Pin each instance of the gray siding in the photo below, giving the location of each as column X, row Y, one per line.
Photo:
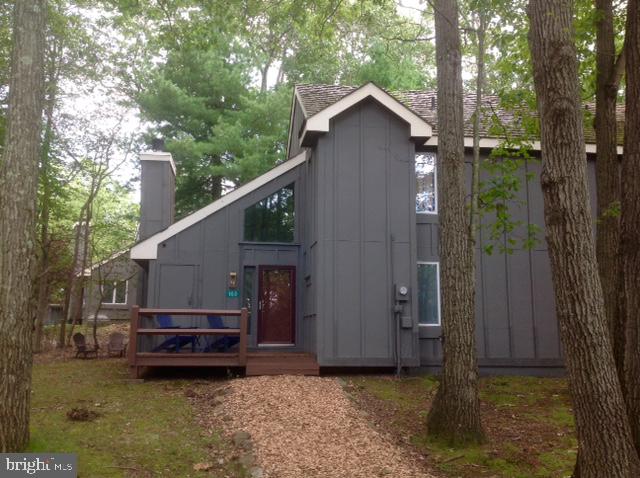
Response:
column 516, row 324
column 192, row 268
column 365, row 237
column 157, row 197
column 118, row 269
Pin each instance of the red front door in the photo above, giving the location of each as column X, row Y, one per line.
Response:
column 276, row 306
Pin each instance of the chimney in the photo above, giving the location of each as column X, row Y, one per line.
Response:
column 157, row 192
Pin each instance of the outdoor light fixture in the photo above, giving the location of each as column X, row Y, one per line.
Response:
column 233, row 280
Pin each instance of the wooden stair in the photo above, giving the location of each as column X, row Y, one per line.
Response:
column 281, row 363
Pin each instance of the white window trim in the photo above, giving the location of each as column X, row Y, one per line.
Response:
column 435, row 188
column 439, row 324
column 114, row 293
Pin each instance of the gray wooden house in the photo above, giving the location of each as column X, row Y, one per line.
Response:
column 335, row 250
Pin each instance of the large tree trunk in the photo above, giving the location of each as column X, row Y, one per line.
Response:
column 455, row 412
column 608, row 177
column 18, row 187
column 630, row 222
column 604, row 435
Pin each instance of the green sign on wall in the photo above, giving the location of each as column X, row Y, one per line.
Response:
column 232, row 293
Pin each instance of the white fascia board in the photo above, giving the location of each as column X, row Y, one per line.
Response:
column 320, row 121
column 89, row 270
column 159, row 156
column 148, row 249
column 492, row 143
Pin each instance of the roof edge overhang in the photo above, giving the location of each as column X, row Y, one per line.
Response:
column 148, row 248
column 492, row 143
column 320, row 122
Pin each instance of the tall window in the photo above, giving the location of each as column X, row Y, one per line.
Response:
column 114, row 292
column 429, row 293
column 272, row 219
column 426, row 185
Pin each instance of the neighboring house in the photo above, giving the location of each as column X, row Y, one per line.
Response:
column 111, row 288
column 323, row 246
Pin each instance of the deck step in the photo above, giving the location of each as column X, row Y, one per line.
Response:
column 282, row 364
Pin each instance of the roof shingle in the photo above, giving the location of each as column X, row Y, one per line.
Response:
column 496, row 122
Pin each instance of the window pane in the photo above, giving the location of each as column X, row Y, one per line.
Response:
column 121, row 292
column 107, row 292
column 428, row 298
column 426, row 182
column 272, row 219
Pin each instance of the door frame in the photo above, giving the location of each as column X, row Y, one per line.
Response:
column 292, row 269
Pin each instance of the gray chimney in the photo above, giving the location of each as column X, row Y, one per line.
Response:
column 157, row 193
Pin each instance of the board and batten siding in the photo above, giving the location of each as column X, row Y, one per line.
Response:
column 365, row 237
column 192, row 268
column 516, row 324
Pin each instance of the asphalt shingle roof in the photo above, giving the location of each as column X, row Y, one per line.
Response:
column 496, row 121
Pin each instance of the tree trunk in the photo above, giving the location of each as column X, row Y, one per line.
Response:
column 630, row 222
column 604, row 435
column 18, row 196
column 608, row 177
column 455, row 412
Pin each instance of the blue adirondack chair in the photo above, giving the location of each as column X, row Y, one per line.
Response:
column 176, row 342
column 220, row 344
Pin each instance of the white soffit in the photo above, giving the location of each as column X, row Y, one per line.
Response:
column 148, row 249
column 319, row 122
column 492, row 143
column 159, row 156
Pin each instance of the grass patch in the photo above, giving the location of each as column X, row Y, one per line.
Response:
column 140, row 429
column 528, row 421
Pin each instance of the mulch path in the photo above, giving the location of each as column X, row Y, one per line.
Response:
column 304, row 427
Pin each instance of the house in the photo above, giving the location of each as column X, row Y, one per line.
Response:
column 335, row 250
column 110, row 288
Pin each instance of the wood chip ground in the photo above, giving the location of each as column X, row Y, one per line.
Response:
column 307, row 427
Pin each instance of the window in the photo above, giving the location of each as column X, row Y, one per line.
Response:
column 426, row 185
column 115, row 292
column 272, row 219
column 429, row 293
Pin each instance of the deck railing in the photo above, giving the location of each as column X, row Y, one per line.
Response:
column 138, row 359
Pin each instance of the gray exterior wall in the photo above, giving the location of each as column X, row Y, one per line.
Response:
column 516, row 325
column 157, row 197
column 192, row 268
column 364, row 238
column 119, row 269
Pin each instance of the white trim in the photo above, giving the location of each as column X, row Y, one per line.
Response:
column 88, row 270
column 495, row 142
column 435, row 185
column 159, row 156
column 437, row 264
column 114, row 292
column 148, row 249
column 320, row 121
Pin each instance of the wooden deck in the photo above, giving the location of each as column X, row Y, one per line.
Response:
column 262, row 362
